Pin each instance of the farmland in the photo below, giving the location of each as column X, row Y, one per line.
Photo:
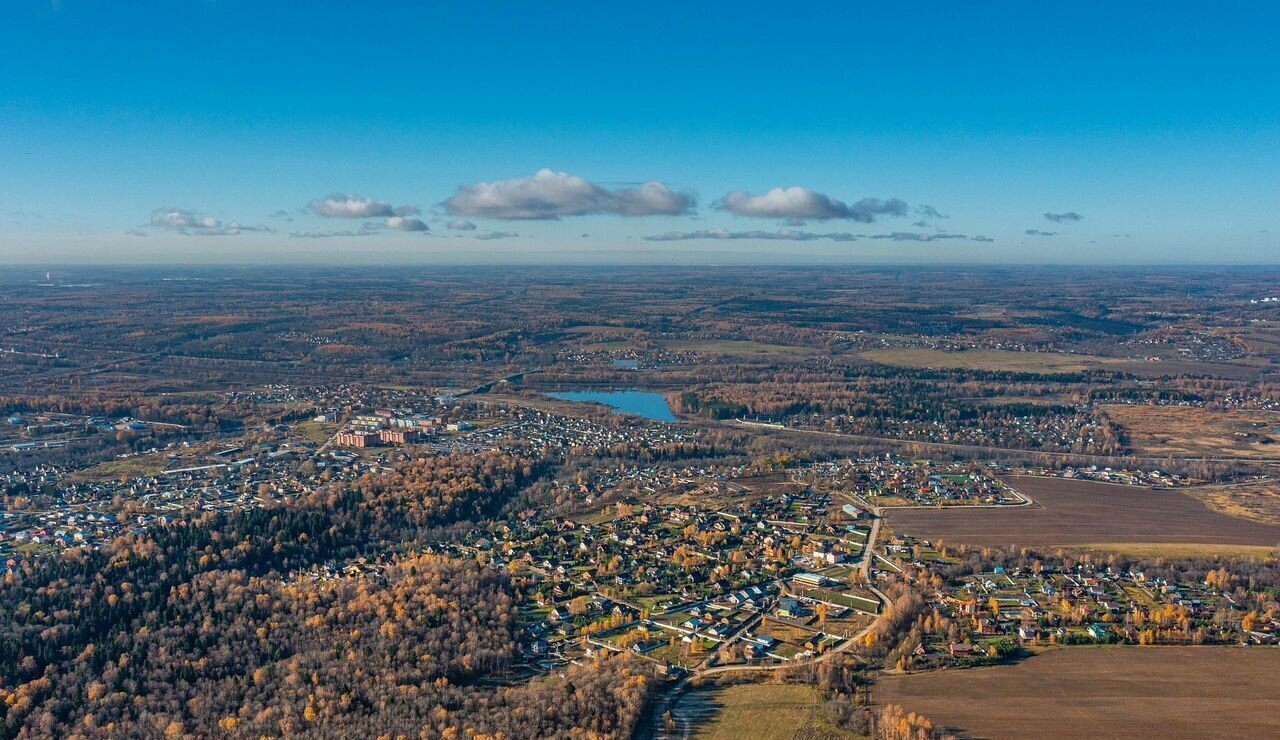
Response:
column 1169, row 693
column 1259, row 502
column 1184, row 431
column 766, row 712
column 1074, row 512
column 992, row 359
column 735, row 348
column 996, row 360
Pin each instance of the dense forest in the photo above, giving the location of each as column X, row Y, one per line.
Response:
column 241, row 621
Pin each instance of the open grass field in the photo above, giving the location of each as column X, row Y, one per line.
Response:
column 1243, row 369
column 849, row 626
column 1075, row 512
column 993, row 359
column 721, row 494
column 844, row 599
column 784, row 632
column 735, row 347
column 757, row 711
column 1120, row 692
column 1263, row 337
column 730, row 493
column 317, row 431
column 1183, row 431
column 1259, row 502
column 122, row 469
column 1054, row 362
column 1181, row 550
column 770, row 484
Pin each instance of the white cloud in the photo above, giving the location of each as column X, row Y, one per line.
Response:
column 793, row 203
column 800, row 204
column 461, row 224
column 186, row 221
column 487, row 235
column 404, row 223
column 551, row 195
column 341, row 205
column 180, row 219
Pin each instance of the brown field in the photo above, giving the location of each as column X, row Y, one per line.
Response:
column 121, row 469
column 1242, row 369
column 1075, row 512
column 1182, row 431
column 315, row 431
column 849, row 626
column 771, row 484
column 758, row 711
column 1123, row 692
column 993, row 359
column 1053, row 362
column 1259, row 502
column 1178, row 550
column 735, row 347
column 731, row 492
column 784, row 632
column 1263, row 337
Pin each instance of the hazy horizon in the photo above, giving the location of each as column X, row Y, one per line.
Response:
column 237, row 133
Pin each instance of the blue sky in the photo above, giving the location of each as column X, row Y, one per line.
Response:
column 172, row 131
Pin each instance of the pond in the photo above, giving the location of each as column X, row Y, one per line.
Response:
column 647, row 404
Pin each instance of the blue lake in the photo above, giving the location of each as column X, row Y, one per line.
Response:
column 648, row 404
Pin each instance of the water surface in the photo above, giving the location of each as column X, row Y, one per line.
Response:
column 648, row 404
